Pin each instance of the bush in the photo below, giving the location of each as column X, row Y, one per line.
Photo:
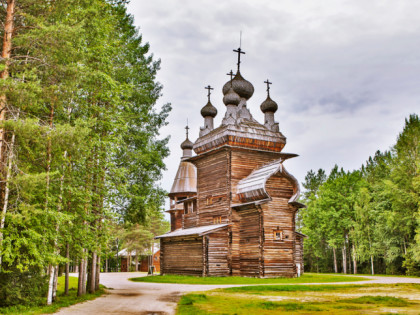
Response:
column 22, row 287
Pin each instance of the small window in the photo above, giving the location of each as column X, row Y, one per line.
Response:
column 209, row 201
column 217, row 220
column 278, row 235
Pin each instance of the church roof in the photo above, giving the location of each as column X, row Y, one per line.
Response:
column 252, row 187
column 247, row 133
column 185, row 179
column 201, row 230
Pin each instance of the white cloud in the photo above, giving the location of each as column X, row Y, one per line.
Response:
column 345, row 73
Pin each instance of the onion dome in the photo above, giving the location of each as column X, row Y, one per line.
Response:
column 240, row 86
column 187, row 145
column 209, row 110
column 269, row 105
column 231, row 97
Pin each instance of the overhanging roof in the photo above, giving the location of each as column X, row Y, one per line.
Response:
column 201, row 230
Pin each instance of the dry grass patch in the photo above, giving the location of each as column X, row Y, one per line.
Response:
column 305, row 299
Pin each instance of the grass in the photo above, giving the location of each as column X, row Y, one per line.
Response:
column 380, row 300
column 306, row 278
column 62, row 300
column 273, row 289
column 306, row 299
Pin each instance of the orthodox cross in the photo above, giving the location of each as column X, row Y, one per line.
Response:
column 187, row 128
column 209, row 88
column 268, row 86
column 239, row 51
column 231, row 75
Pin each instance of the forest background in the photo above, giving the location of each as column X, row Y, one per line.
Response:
column 80, row 156
column 367, row 220
column 80, row 152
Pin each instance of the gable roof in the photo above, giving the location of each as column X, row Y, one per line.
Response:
column 252, row 187
column 201, row 230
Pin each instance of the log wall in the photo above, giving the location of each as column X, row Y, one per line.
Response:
column 279, row 255
column 176, row 219
column 182, row 256
column 212, row 187
column 243, row 162
column 250, row 241
column 217, row 254
column 189, row 220
column 299, row 252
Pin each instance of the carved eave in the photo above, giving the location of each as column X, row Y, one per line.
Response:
column 247, row 134
column 253, row 187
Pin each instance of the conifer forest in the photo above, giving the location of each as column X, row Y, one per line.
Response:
column 80, row 151
column 81, row 156
column 367, row 220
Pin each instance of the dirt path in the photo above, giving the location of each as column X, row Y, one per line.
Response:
column 127, row 297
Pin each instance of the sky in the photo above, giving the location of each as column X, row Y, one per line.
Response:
column 345, row 73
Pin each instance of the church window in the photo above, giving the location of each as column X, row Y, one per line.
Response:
column 278, row 235
column 217, row 220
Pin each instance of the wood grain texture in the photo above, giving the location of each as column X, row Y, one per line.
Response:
column 247, row 247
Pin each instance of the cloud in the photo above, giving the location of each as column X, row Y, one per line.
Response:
column 345, row 73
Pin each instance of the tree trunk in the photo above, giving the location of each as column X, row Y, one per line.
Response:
column 56, row 269
column 344, row 252
column 98, row 272
column 106, row 265
column 335, row 261
column 371, row 264
column 81, row 277
column 348, row 254
column 354, row 260
column 51, row 272
column 85, row 266
column 92, row 276
column 6, row 192
column 66, row 284
column 137, row 261
column 5, row 55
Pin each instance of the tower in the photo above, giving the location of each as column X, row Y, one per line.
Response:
column 184, row 186
column 243, row 213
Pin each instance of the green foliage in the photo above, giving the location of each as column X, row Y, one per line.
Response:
column 372, row 214
column 17, row 287
column 62, row 300
column 82, row 132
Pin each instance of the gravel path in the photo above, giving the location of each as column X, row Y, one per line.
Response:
column 127, row 297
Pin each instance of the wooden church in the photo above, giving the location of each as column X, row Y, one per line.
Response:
column 233, row 204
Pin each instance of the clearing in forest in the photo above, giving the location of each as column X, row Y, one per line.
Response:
column 305, row 299
column 306, row 278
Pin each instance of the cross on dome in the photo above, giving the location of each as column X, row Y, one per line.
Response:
column 268, row 86
column 239, row 51
column 209, row 88
column 230, row 74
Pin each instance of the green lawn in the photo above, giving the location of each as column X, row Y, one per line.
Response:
column 306, row 278
column 304, row 299
column 62, row 300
